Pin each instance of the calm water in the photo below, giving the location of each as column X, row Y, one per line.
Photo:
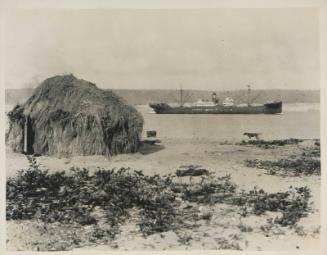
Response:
column 297, row 121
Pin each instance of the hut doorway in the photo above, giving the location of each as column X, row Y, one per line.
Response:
column 28, row 136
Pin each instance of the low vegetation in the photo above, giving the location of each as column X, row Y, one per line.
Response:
column 293, row 167
column 307, row 163
column 271, row 144
column 163, row 203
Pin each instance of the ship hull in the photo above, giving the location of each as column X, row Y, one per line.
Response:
column 268, row 108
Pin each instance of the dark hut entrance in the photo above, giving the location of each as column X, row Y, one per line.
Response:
column 28, row 136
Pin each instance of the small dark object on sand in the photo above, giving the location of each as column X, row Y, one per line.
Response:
column 191, row 170
column 151, row 133
column 150, row 141
column 250, row 135
column 151, row 138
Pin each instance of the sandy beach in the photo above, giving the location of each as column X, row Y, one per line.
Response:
column 226, row 229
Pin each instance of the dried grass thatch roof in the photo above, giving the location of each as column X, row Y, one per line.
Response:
column 70, row 116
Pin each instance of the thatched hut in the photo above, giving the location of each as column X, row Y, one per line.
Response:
column 67, row 116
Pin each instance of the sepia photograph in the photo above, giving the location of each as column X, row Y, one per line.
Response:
column 154, row 129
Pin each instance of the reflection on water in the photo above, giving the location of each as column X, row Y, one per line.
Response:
column 297, row 120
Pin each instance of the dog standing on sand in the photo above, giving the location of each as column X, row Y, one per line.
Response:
column 250, row 135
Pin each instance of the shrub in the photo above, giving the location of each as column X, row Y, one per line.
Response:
column 59, row 197
column 69, row 199
column 297, row 166
column 272, row 143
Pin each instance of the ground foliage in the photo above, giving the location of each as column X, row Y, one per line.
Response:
column 191, row 170
column 307, row 163
column 162, row 201
column 271, row 144
column 293, row 204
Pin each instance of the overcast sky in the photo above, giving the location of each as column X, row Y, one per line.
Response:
column 214, row 49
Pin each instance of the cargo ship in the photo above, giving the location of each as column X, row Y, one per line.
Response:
column 215, row 107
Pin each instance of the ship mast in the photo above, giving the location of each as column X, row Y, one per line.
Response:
column 181, row 95
column 249, row 92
